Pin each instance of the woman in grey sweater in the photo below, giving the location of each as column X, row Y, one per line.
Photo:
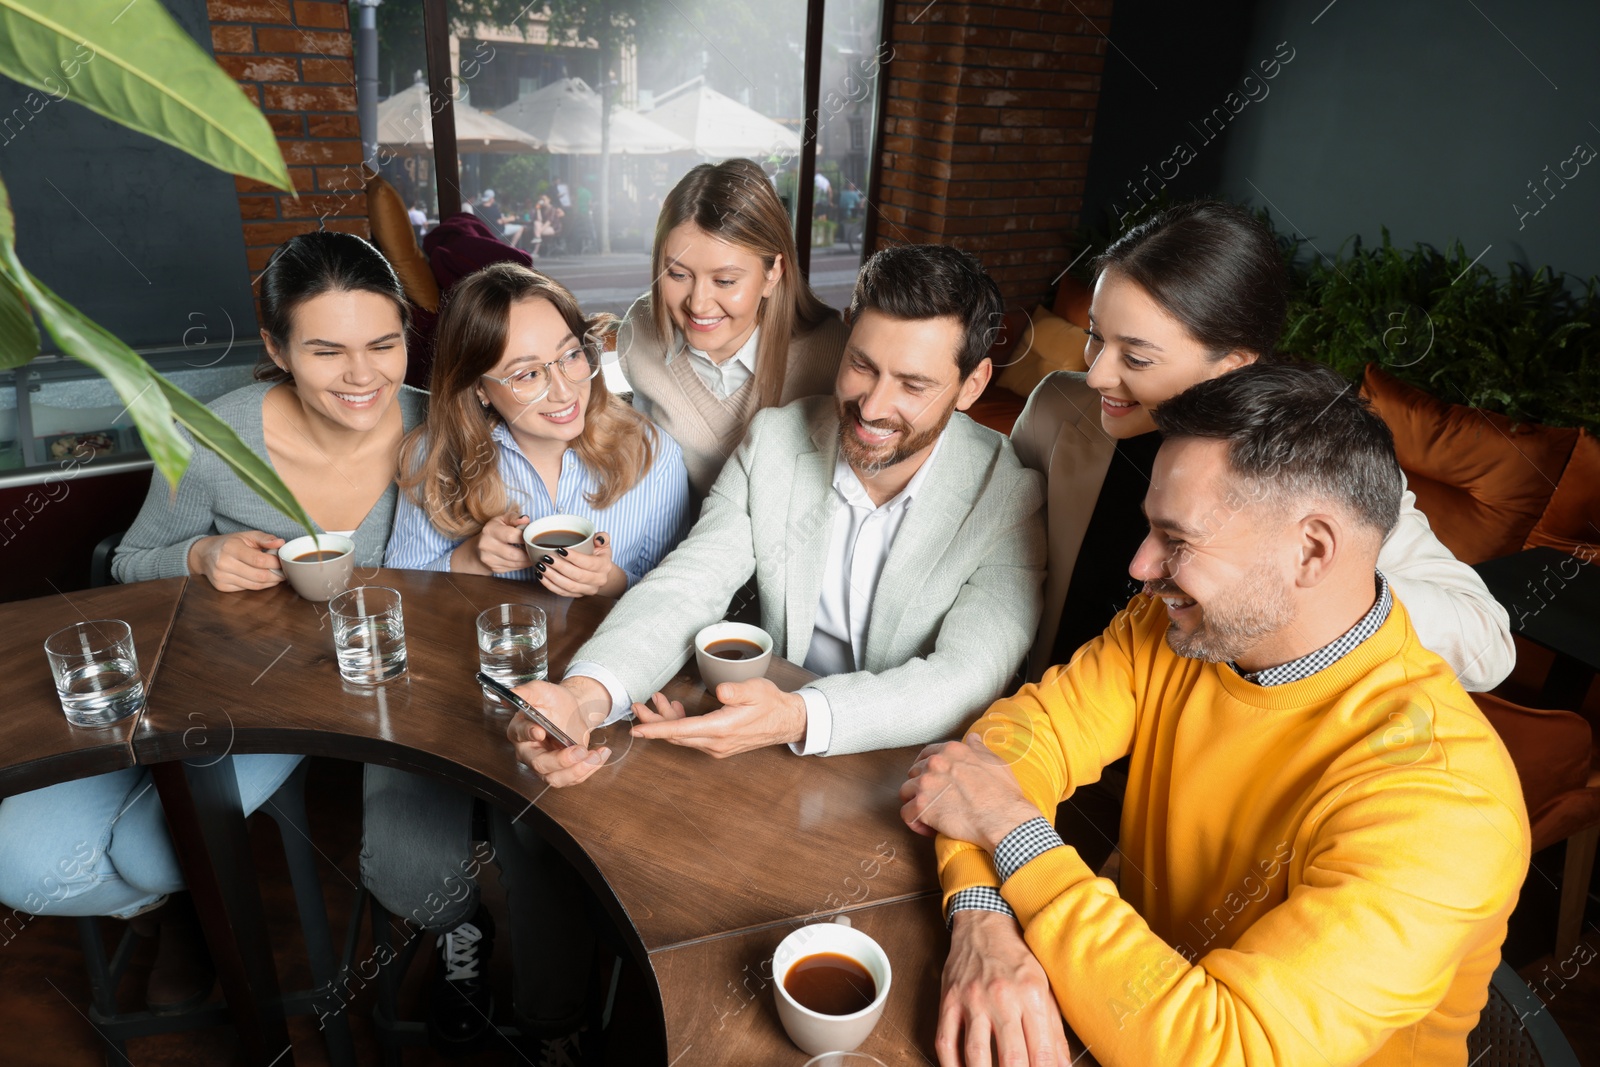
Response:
column 328, row 415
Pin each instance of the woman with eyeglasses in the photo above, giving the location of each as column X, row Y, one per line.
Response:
column 520, row 426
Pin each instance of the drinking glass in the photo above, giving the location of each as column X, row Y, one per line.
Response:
column 95, row 671
column 369, row 635
column 844, row 1059
column 512, row 644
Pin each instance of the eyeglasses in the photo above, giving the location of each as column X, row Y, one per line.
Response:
column 533, row 384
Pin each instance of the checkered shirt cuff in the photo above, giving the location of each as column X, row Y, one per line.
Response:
column 1030, row 840
column 978, row 898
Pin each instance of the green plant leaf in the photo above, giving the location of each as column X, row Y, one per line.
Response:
column 220, row 438
column 133, row 378
column 132, row 63
column 19, row 336
column 155, row 402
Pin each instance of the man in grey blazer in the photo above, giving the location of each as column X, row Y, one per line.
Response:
column 897, row 546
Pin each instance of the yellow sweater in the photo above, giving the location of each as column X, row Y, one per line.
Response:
column 1314, row 873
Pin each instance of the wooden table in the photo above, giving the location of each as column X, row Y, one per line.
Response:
column 701, row 863
column 41, row 748
column 1553, row 599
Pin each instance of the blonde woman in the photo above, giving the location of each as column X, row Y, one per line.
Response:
column 729, row 325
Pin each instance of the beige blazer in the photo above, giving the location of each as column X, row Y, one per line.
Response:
column 1059, row 435
column 953, row 613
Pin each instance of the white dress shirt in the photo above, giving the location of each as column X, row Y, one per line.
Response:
column 858, row 547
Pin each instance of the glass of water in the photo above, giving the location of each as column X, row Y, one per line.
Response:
column 369, row 635
column 512, row 644
column 96, row 671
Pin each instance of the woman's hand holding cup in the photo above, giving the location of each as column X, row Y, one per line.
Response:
column 240, row 561
column 575, row 574
column 496, row 550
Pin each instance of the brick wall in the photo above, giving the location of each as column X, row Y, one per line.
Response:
column 294, row 59
column 988, row 121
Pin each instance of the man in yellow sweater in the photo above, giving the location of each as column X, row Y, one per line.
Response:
column 1322, row 838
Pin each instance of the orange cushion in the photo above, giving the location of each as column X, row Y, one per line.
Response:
column 1551, row 751
column 1072, row 302
column 1482, row 480
column 1571, row 522
column 1050, row 343
column 395, row 238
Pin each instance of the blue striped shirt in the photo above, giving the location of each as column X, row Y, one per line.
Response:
column 644, row 525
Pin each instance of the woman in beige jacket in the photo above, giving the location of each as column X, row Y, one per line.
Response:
column 1193, row 293
column 729, row 325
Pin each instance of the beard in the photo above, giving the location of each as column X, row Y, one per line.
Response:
column 868, row 459
column 1230, row 628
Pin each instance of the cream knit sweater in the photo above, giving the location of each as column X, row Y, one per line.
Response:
column 707, row 427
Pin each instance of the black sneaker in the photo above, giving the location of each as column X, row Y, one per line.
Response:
column 460, row 1011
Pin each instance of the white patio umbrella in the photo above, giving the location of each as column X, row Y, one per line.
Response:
column 405, row 124
column 719, row 127
column 565, row 117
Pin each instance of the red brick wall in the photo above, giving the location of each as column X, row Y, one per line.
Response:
column 988, row 121
column 294, row 60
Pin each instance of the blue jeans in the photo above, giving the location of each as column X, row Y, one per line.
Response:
column 99, row 846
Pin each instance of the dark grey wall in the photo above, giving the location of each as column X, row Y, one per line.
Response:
column 1429, row 117
column 143, row 238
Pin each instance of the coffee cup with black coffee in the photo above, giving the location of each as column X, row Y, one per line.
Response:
column 319, row 567
column 731, row 652
column 831, row 982
column 542, row 537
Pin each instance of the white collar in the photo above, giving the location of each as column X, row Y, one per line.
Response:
column 745, row 355
column 848, row 483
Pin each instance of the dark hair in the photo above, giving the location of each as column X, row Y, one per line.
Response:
column 931, row 282
column 1214, row 268
column 310, row 264
column 1295, row 429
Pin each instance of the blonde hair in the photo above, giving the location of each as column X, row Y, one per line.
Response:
column 734, row 202
column 457, row 481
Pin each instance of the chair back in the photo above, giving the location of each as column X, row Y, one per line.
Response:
column 1516, row 1029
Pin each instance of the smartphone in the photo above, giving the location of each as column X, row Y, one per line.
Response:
column 506, row 693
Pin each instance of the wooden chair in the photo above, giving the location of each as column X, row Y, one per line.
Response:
column 1559, row 766
column 1515, row 1030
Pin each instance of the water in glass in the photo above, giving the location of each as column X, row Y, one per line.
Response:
column 371, row 649
column 513, row 654
column 100, row 693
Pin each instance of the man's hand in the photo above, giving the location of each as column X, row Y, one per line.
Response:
column 962, row 790
column 754, row 714
column 234, row 562
column 577, row 705
column 995, row 993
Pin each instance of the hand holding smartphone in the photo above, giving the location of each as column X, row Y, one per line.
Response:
column 509, row 695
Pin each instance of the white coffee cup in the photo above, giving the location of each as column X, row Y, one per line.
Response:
column 319, row 580
column 571, row 524
column 714, row 670
column 812, row 1031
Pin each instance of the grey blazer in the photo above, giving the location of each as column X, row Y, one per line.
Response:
column 1059, row 435
column 955, row 608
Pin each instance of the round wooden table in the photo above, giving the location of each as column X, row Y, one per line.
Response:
column 704, row 865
